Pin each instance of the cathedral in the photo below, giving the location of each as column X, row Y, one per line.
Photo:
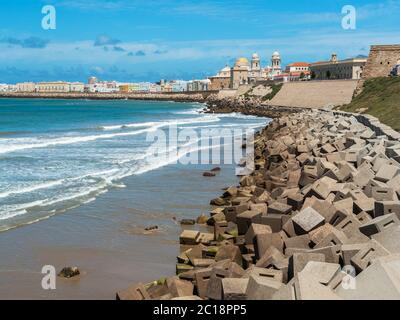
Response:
column 244, row 72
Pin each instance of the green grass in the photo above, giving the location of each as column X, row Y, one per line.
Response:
column 381, row 98
column 275, row 89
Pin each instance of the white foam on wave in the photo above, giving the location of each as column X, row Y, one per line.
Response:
column 33, row 188
column 160, row 124
column 37, row 143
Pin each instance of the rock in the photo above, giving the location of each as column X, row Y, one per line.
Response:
column 216, row 169
column 209, row 174
column 69, row 272
column 151, row 228
column 188, row 222
column 202, row 219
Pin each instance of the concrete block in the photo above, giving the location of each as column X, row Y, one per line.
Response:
column 189, row 237
column 274, row 221
column 317, row 235
column 263, row 272
column 261, row 288
column 195, row 253
column 307, row 220
column 245, row 219
column 349, row 251
column 295, row 201
column 395, row 184
column 298, row 261
column 202, row 278
column 323, row 272
column 254, row 230
column 233, row 211
column 279, row 208
column 219, row 272
column 383, row 194
column 265, row 240
column 136, row 292
column 234, row 288
column 298, row 242
column 380, row 281
column 305, row 287
column 389, row 239
column 387, row 172
column 367, row 254
column 179, row 288
column 205, row 238
column 229, row 252
column 379, row 224
column 335, row 237
column 386, row 207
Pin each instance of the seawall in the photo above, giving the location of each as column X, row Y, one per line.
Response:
column 323, row 196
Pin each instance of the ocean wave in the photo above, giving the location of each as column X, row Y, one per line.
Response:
column 33, row 188
column 207, row 118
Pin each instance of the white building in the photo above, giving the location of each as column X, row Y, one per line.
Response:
column 26, row 87
column 53, row 87
column 76, row 87
column 3, row 87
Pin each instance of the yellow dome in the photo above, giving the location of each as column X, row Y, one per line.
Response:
column 242, row 62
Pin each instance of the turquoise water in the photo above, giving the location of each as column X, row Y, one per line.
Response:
column 56, row 155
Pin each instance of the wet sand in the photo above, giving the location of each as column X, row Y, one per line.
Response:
column 106, row 238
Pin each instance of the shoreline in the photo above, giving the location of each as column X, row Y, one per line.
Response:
column 285, row 224
column 176, row 97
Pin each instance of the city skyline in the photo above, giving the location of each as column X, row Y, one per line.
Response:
column 152, row 40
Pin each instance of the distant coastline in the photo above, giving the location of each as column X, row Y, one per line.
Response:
column 170, row 96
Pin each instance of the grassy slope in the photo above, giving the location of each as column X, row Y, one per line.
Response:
column 382, row 98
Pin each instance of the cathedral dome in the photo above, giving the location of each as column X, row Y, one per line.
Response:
column 276, row 54
column 240, row 62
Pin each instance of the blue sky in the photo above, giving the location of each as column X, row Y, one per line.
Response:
column 136, row 40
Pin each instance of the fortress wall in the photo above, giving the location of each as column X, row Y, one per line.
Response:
column 381, row 60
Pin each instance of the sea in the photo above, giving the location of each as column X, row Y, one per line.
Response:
column 79, row 183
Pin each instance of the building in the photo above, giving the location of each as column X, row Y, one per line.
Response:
column 338, row 69
column 3, row 87
column 381, row 61
column 76, row 87
column 92, row 80
column 221, row 80
column 103, row 87
column 240, row 73
column 276, row 68
column 26, row 87
column 255, row 72
column 53, row 87
column 245, row 72
column 179, row 85
column 198, row 85
column 298, row 71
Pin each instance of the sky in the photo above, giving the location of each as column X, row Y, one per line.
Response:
column 148, row 40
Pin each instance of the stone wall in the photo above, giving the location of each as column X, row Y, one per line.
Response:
column 315, row 94
column 381, row 60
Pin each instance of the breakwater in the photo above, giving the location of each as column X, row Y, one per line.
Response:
column 318, row 217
